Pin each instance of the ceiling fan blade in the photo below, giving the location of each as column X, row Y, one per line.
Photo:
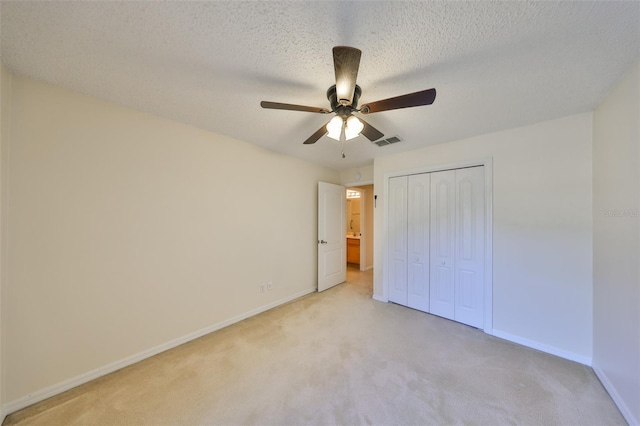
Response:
column 346, row 61
column 370, row 132
column 292, row 107
column 424, row 97
column 317, row 135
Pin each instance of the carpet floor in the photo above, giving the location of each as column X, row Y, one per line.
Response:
column 338, row 357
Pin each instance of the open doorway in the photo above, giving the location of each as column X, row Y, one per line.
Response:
column 359, row 220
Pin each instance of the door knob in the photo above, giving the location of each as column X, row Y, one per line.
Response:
column 442, row 263
column 322, row 242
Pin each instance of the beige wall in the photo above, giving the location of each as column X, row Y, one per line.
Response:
column 128, row 231
column 349, row 177
column 542, row 228
column 5, row 108
column 616, row 243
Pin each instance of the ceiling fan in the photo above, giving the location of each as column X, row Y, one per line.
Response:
column 343, row 98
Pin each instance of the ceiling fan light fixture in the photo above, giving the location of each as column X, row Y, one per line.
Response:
column 343, row 98
column 353, row 128
column 349, row 135
column 334, row 127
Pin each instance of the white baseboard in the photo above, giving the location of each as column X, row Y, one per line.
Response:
column 379, row 298
column 542, row 347
column 613, row 393
column 42, row 394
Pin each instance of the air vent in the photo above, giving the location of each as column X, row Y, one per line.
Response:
column 388, row 141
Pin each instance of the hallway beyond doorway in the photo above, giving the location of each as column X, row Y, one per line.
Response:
column 362, row 280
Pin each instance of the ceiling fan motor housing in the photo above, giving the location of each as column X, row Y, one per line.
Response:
column 337, row 107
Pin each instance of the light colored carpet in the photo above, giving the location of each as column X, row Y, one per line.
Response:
column 339, row 357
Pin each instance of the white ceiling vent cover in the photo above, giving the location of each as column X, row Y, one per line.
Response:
column 388, row 141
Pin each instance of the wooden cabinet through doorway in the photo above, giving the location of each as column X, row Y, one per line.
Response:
column 353, row 250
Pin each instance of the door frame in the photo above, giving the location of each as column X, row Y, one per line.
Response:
column 488, row 260
column 363, row 236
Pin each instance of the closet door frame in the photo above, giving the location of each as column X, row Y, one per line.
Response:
column 487, row 163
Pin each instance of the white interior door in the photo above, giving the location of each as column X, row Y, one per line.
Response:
column 398, row 240
column 470, row 240
column 332, row 235
column 418, row 242
column 442, row 244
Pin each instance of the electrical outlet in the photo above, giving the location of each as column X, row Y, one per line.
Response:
column 269, row 286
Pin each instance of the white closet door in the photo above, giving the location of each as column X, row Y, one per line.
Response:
column 398, row 240
column 469, row 258
column 442, row 253
column 418, row 242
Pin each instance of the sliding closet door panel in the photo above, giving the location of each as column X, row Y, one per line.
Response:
column 442, row 243
column 418, row 242
column 398, row 240
column 470, row 237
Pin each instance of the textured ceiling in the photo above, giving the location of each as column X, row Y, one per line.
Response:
column 495, row 65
